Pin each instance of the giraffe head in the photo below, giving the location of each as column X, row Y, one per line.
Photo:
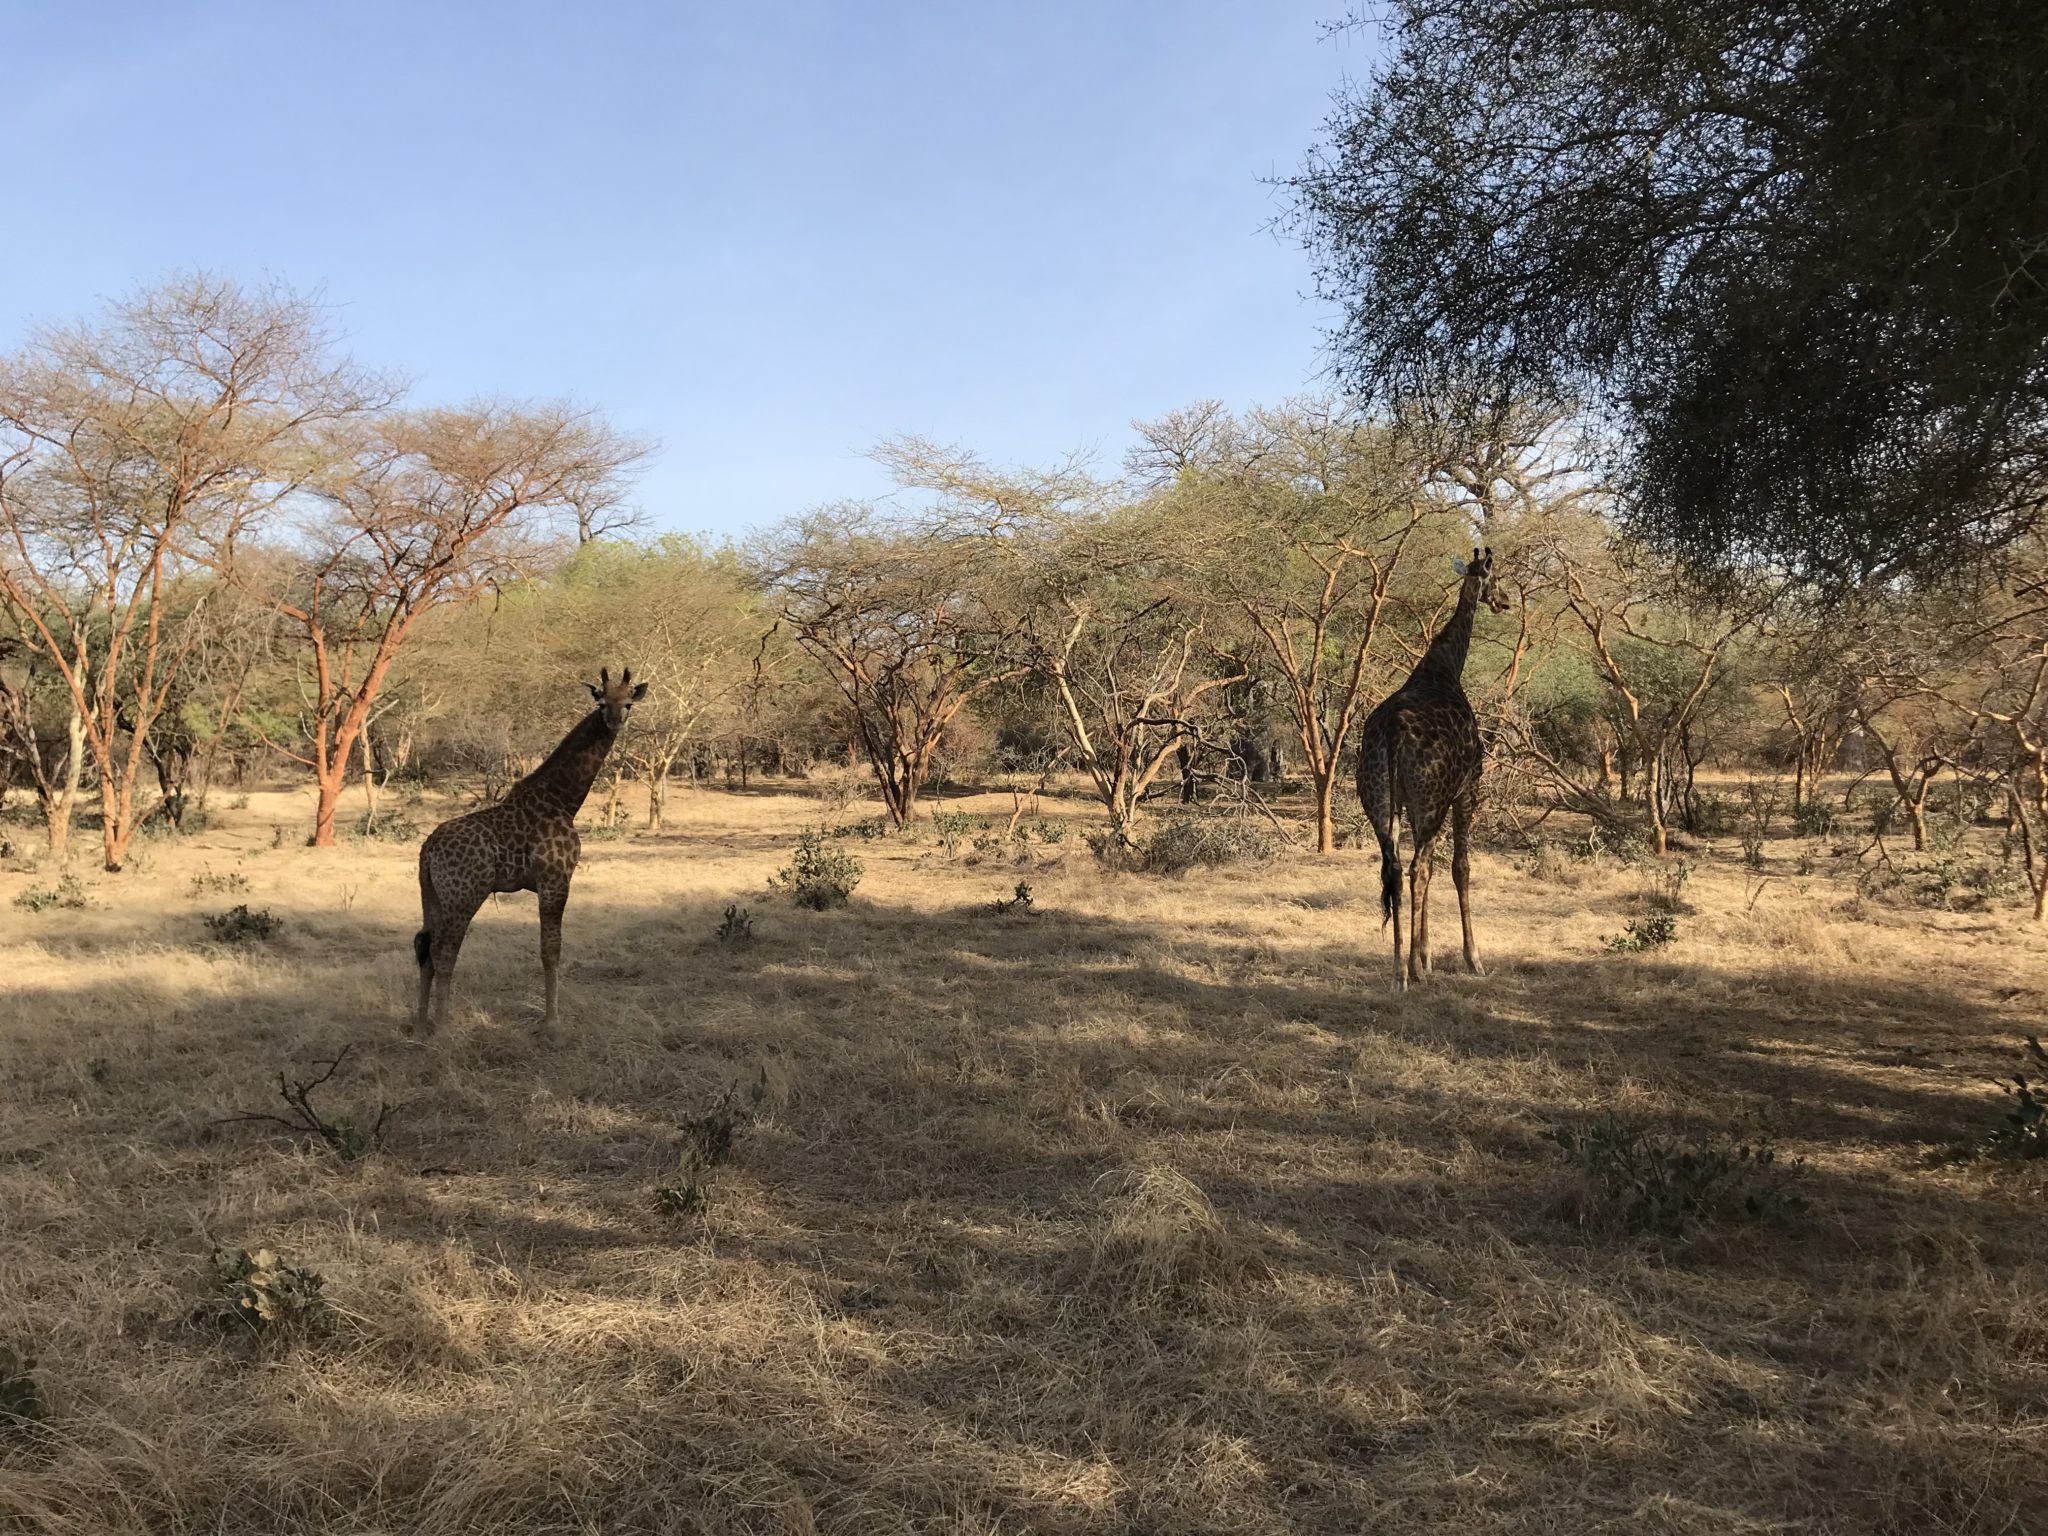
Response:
column 1479, row 580
column 616, row 700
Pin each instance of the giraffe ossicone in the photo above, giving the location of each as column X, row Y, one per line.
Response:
column 526, row 842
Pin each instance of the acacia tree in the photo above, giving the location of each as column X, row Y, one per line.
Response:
column 1308, row 513
column 133, row 455
column 900, row 613
column 1794, row 250
column 423, row 511
column 684, row 618
column 1657, row 643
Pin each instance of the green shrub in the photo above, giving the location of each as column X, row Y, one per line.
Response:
column 208, row 883
column 261, row 1293
column 818, row 874
column 1664, row 1183
column 69, row 891
column 239, row 925
column 1816, row 818
column 392, row 827
column 2023, row 1131
column 1644, row 933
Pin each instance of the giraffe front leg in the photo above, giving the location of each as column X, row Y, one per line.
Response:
column 553, row 901
column 1461, row 876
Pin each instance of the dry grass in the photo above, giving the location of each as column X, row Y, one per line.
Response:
column 1152, row 1210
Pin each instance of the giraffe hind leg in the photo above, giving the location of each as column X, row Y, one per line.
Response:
column 1461, row 875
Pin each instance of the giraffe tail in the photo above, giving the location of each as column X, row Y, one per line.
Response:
column 423, row 948
column 1390, row 881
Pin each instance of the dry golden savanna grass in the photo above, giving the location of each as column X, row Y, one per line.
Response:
column 1155, row 1209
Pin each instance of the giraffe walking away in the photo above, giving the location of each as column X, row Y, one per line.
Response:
column 1419, row 757
column 526, row 842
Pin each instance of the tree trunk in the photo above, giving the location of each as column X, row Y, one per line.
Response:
column 1326, row 817
column 331, row 782
column 57, row 814
column 369, row 778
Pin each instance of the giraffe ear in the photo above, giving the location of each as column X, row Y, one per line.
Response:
column 1457, row 565
column 596, row 692
column 640, row 691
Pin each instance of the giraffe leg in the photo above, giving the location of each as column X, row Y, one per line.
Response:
column 423, row 948
column 553, row 900
column 444, row 947
column 1418, row 908
column 1461, row 875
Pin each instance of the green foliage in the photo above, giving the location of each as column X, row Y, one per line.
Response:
column 1050, row 830
column 240, row 925
column 952, row 828
column 2023, row 1131
column 69, row 892
column 736, row 927
column 264, row 1294
column 708, row 1143
column 1644, row 933
column 207, row 883
column 1816, row 818
column 818, row 874
column 391, row 827
column 21, row 1403
column 1664, row 1183
column 869, row 829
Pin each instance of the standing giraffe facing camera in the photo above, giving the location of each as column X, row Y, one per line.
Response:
column 1420, row 757
column 526, row 842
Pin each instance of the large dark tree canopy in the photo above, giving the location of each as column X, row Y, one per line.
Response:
column 1795, row 254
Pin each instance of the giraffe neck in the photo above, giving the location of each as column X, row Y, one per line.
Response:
column 1443, row 664
column 562, row 783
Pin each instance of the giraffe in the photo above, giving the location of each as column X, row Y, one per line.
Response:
column 1420, row 756
column 526, row 842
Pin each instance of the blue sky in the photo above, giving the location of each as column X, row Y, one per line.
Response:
column 767, row 234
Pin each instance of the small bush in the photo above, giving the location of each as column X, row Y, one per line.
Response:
column 21, row 1404
column 1816, row 818
column 69, row 892
column 1650, row 1181
column 261, row 1293
column 1644, row 933
column 1019, row 902
column 952, row 828
column 708, row 1142
column 349, row 1137
column 239, row 925
column 868, row 829
column 1663, row 885
column 207, row 883
column 818, row 875
column 392, row 827
column 2023, row 1131
column 737, row 926
column 1183, row 843
column 1050, row 830
column 1711, row 815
